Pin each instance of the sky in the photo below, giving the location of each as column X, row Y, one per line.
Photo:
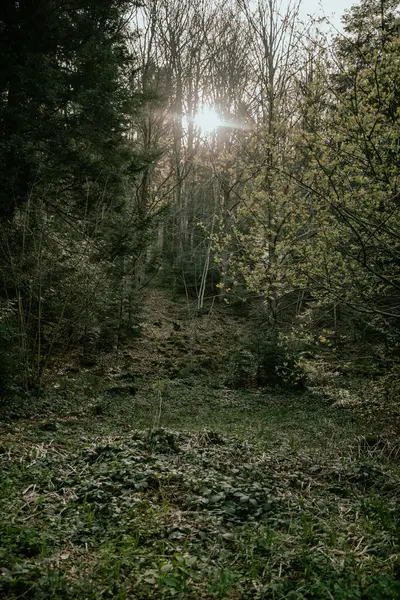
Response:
column 331, row 9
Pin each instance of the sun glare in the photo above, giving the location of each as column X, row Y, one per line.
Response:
column 206, row 119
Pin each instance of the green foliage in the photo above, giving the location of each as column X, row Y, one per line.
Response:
column 266, row 359
column 316, row 225
column 277, row 361
column 352, row 258
column 242, row 369
column 63, row 102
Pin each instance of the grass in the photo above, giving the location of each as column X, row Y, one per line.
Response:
column 187, row 489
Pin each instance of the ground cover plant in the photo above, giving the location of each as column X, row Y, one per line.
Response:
column 215, row 494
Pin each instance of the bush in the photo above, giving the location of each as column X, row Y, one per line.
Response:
column 266, row 360
column 242, row 369
column 278, row 363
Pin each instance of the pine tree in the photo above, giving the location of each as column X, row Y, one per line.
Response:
column 63, row 101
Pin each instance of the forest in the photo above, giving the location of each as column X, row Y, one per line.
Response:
column 199, row 300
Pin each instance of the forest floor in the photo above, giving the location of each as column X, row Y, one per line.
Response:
column 145, row 476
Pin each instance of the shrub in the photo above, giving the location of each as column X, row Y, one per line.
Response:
column 265, row 360
column 278, row 363
column 242, row 369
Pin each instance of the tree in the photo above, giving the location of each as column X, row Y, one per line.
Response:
column 269, row 216
column 357, row 164
column 63, row 99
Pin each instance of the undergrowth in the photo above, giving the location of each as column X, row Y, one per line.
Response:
column 255, row 506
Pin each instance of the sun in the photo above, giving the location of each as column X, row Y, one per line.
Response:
column 207, row 119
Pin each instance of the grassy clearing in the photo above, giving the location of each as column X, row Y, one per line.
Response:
column 190, row 490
